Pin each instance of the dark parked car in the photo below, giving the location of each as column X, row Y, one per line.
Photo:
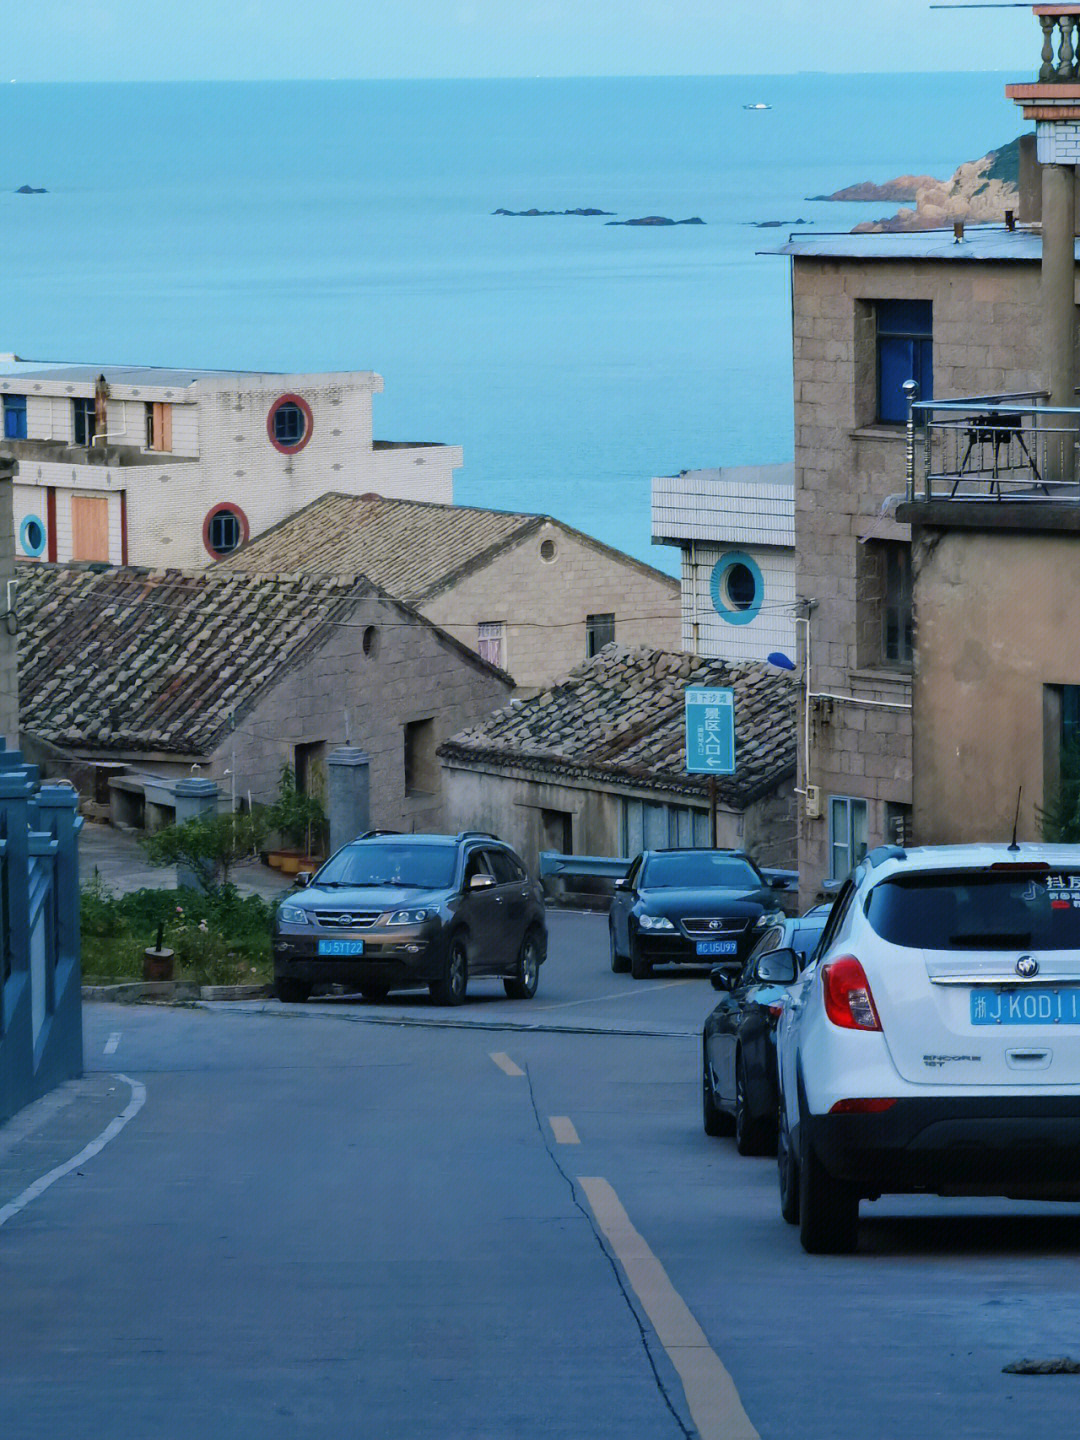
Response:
column 738, row 1044
column 686, row 906
column 391, row 911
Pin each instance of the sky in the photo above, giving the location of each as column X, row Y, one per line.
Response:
column 399, row 39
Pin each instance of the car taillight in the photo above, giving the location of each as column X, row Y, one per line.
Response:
column 848, row 1001
column 861, row 1107
column 775, row 1011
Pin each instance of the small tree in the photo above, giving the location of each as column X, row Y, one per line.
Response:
column 298, row 818
column 1059, row 819
column 209, row 845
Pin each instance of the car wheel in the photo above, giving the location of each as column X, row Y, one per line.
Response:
column 828, row 1208
column 522, row 986
column 619, row 963
column 788, row 1170
column 291, row 992
column 450, row 988
column 640, row 968
column 751, row 1137
column 715, row 1120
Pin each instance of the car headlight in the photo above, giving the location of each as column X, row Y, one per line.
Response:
column 655, row 922
column 292, row 915
column 409, row 917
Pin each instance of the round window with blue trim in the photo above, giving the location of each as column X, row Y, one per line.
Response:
column 32, row 536
column 737, row 588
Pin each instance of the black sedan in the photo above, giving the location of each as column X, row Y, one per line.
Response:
column 686, row 907
column 738, row 1044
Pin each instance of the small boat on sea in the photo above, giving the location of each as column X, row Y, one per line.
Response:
column 758, row 106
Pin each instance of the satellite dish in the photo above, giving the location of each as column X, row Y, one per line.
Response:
column 780, row 660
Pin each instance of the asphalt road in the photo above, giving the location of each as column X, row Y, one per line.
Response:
column 345, row 1219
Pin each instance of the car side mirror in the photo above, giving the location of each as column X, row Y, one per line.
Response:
column 622, row 883
column 778, row 882
column 481, row 882
column 778, row 967
column 304, row 879
column 721, row 978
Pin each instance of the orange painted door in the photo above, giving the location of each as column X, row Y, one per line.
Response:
column 89, row 527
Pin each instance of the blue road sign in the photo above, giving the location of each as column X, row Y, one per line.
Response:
column 710, row 730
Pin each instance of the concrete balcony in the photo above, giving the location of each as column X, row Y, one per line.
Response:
column 60, row 452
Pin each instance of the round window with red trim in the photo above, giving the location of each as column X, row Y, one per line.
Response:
column 225, row 529
column 289, row 424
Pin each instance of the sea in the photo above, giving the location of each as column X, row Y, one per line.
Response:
column 350, row 225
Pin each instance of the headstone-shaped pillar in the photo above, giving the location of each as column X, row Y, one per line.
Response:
column 194, row 799
column 348, row 784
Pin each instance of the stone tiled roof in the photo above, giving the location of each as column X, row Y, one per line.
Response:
column 620, row 718
column 411, row 548
column 165, row 660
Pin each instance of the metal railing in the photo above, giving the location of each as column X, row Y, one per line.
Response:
column 989, row 448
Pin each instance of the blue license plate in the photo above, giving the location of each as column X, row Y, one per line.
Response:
column 341, row 947
column 717, row 947
column 1026, row 1007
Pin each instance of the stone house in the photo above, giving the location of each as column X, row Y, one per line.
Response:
column 596, row 764
column 735, row 528
column 532, row 595
column 140, row 675
column 130, row 465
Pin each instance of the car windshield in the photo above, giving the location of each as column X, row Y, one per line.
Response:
column 1005, row 910
column 412, row 867
column 805, row 939
column 696, row 869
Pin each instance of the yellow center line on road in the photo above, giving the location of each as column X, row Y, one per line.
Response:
column 562, row 1127
column 505, row 1064
column 714, row 1403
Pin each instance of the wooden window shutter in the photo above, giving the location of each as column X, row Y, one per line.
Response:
column 162, row 426
column 89, row 527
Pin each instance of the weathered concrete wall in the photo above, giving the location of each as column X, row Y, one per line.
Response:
column 543, row 604
column 996, row 615
column 847, row 466
column 9, row 672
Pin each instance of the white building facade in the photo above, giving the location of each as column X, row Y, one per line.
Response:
column 735, row 528
column 178, row 468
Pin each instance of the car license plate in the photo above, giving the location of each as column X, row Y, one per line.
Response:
column 341, row 947
column 1026, row 1007
column 717, row 947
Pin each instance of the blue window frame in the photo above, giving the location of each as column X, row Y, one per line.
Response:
column 289, row 424
column 14, row 417
column 904, row 352
column 737, row 587
column 225, row 535
column 32, row 535
column 85, row 420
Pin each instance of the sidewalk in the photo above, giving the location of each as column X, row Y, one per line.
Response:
column 121, row 862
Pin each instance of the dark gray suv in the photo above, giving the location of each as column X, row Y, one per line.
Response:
column 391, row 911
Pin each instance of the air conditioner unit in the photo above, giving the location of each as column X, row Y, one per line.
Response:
column 813, row 802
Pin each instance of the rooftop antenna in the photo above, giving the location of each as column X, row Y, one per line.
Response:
column 1014, row 847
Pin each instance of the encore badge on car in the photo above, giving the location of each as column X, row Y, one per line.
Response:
column 686, row 907
column 391, row 911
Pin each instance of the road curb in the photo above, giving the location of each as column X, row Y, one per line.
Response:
column 170, row 991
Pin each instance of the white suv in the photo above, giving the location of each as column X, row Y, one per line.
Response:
column 933, row 1044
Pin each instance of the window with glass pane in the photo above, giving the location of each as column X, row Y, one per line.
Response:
column 288, row 424
column 85, row 420
column 489, row 641
column 896, row 614
column 847, row 834
column 599, row 631
column 224, row 532
column 14, row 417
column 904, row 352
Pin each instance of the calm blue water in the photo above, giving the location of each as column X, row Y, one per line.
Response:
column 347, row 225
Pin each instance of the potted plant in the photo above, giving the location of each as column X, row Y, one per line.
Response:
column 299, row 818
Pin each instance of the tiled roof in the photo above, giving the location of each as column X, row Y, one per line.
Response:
column 411, row 548
column 165, row 660
column 620, row 717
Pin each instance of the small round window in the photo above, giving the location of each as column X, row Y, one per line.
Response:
column 289, row 424
column 548, row 551
column 737, row 588
column 32, row 536
column 225, row 529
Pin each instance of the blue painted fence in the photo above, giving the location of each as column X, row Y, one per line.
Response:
column 40, row 971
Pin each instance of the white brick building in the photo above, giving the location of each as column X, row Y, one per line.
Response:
column 179, row 467
column 736, row 530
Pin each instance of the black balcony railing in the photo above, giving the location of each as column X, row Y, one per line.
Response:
column 990, row 448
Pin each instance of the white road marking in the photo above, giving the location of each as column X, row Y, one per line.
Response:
column 134, row 1105
column 562, row 1127
column 505, row 1064
column 622, row 995
column 710, row 1392
column 112, row 1042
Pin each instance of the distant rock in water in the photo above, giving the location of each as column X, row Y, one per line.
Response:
column 30, row 190
column 775, row 224
column 659, row 220
column 588, row 211
column 901, row 191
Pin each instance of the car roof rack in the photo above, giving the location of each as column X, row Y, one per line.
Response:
column 477, row 835
column 371, row 834
column 881, row 853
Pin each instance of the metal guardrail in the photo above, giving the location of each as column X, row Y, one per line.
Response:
column 992, row 448
column 580, row 879
column 40, row 956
